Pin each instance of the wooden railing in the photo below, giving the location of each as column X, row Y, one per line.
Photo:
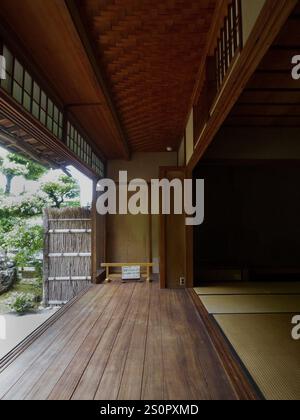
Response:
column 226, row 44
column 230, row 41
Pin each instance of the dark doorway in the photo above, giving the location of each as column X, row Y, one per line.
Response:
column 251, row 229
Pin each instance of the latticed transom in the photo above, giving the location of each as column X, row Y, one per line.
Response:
column 150, row 51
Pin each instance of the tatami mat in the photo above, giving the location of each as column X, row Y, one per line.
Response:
column 250, row 288
column 251, row 304
column 265, row 345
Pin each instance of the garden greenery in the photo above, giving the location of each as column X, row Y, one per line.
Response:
column 21, row 230
column 21, row 303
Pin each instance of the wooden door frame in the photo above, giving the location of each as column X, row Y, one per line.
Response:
column 163, row 242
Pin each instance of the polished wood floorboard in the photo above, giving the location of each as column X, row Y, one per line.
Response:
column 121, row 342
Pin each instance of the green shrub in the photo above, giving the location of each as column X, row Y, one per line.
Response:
column 21, row 303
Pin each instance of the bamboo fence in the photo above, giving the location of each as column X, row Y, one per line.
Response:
column 67, row 253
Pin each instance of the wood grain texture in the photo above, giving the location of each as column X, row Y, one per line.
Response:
column 90, row 380
column 153, row 381
column 47, row 360
column 173, row 235
column 122, row 342
column 24, row 361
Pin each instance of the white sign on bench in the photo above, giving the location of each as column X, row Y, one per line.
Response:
column 131, row 273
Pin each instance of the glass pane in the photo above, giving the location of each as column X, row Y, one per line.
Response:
column 36, row 92
column 49, row 123
column 50, row 108
column 55, row 129
column 43, row 117
column 60, row 119
column 9, row 60
column 28, row 83
column 27, row 101
column 18, row 73
column 6, row 84
column 35, row 110
column 55, row 114
column 43, row 100
column 17, row 92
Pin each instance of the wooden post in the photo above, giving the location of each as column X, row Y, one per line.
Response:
column 148, row 274
column 46, row 259
column 107, row 274
column 98, row 237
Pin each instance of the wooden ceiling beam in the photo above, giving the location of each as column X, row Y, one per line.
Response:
column 77, row 20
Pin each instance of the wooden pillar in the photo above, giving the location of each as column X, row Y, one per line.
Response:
column 65, row 125
column 46, row 260
column 189, row 246
column 98, row 238
column 172, row 240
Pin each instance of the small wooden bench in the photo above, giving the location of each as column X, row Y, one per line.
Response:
column 108, row 266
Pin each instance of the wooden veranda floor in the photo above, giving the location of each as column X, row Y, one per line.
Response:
column 121, row 341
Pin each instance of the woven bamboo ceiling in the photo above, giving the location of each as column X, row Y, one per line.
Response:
column 150, row 52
